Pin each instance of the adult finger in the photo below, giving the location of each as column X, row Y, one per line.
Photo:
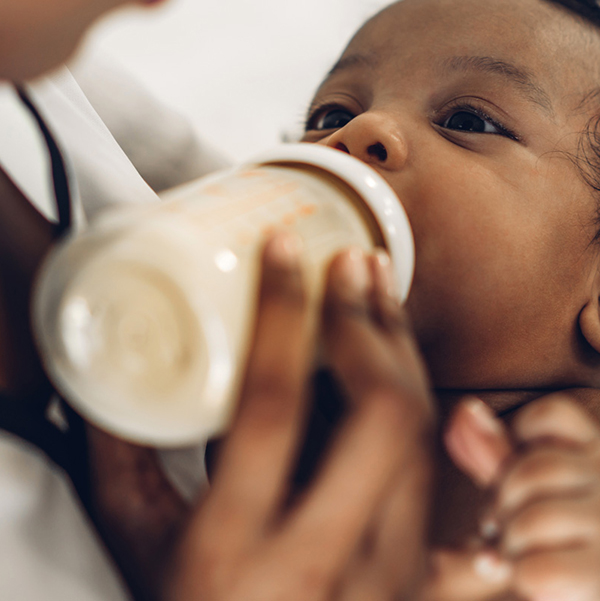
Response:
column 386, row 304
column 557, row 417
column 466, row 575
column 138, row 512
column 131, row 493
column 251, row 475
column 358, row 349
column 388, row 423
column 477, row 441
column 394, row 325
column 392, row 559
column 329, row 522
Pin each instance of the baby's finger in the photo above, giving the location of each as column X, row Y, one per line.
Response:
column 542, row 472
column 252, row 470
column 477, row 441
column 466, row 576
column 552, row 523
column 556, row 417
column 558, row 575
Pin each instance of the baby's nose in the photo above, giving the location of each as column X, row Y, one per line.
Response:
column 374, row 139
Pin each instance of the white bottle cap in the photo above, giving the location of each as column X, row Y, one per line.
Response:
column 371, row 187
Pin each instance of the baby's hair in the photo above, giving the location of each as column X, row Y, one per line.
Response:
column 588, row 155
column 589, row 9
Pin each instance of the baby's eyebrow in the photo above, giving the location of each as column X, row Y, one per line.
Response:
column 354, row 60
column 524, row 80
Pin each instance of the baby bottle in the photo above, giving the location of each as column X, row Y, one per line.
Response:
column 143, row 320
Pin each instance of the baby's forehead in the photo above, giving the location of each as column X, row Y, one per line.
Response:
column 542, row 40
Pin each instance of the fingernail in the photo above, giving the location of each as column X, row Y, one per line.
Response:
column 491, row 568
column 386, row 280
column 483, row 416
column 283, row 250
column 353, row 272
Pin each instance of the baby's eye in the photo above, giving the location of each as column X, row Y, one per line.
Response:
column 469, row 121
column 334, row 118
column 469, row 118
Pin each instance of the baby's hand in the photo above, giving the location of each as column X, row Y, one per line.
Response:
column 546, row 510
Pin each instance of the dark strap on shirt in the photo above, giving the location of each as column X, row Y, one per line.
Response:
column 59, row 173
column 26, row 417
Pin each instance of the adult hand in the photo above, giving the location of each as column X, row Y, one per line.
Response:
column 136, row 510
column 359, row 528
column 357, row 531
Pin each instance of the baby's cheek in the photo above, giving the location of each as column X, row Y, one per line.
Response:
column 470, row 321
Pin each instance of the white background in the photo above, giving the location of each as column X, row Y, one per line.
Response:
column 242, row 71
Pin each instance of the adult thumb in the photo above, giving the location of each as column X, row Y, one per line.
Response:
column 477, row 441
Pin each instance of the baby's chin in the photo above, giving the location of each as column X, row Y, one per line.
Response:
column 506, row 403
column 503, row 402
column 509, row 384
column 506, row 359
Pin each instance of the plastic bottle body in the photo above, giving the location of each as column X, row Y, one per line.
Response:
column 144, row 320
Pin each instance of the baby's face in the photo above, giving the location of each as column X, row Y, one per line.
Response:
column 467, row 108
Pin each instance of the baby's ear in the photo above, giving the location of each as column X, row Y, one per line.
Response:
column 589, row 318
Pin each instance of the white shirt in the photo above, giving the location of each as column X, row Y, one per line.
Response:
column 48, row 548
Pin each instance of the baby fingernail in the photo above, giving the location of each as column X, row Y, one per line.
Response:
column 386, row 281
column 353, row 272
column 483, row 416
column 283, row 250
column 490, row 567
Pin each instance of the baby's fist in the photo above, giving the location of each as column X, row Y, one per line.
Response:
column 546, row 513
column 548, row 502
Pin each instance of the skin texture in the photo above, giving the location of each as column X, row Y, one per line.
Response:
column 506, row 285
column 541, row 476
column 26, row 238
column 36, row 36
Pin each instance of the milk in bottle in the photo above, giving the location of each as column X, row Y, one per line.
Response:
column 143, row 320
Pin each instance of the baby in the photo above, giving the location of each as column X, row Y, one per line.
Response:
column 481, row 115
